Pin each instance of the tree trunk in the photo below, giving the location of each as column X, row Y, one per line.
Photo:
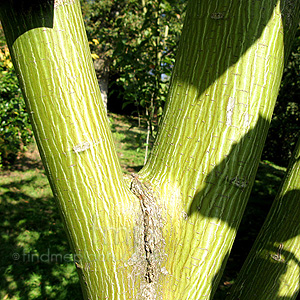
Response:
column 166, row 233
column 272, row 268
column 102, row 72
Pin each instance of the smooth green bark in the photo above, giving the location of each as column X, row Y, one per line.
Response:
column 272, row 269
column 169, row 237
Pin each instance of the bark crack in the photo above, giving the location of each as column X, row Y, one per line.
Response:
column 152, row 241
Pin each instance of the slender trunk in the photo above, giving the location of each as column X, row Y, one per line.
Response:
column 102, row 66
column 147, row 137
column 272, row 268
column 103, row 85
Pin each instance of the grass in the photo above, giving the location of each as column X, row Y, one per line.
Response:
column 130, row 142
column 31, row 231
column 36, row 261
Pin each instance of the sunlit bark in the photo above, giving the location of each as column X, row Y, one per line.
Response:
column 166, row 232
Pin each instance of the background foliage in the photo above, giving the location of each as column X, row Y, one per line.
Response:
column 15, row 128
column 137, row 39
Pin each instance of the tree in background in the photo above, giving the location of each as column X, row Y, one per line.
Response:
column 129, row 66
column 144, row 71
column 166, row 232
column 108, row 28
column 134, row 42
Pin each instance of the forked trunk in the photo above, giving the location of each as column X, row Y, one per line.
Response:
column 166, row 233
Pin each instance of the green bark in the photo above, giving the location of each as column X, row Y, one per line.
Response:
column 222, row 95
column 169, row 237
column 52, row 59
column 272, row 269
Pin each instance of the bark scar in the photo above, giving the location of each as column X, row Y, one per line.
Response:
column 152, row 239
column 147, row 199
